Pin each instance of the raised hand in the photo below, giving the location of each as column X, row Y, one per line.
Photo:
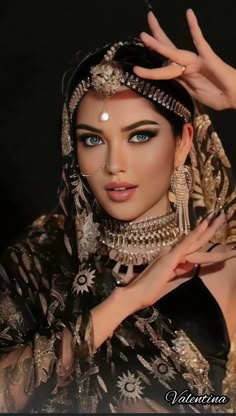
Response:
column 204, row 75
column 150, row 285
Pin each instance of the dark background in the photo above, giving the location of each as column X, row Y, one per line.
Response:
column 38, row 43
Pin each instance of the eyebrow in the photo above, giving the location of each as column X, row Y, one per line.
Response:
column 127, row 128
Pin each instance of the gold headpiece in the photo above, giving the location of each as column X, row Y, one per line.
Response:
column 107, row 77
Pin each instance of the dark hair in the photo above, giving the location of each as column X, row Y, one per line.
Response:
column 129, row 55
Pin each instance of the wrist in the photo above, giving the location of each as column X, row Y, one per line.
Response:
column 125, row 299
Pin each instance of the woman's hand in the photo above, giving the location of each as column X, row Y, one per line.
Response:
column 205, row 76
column 150, row 285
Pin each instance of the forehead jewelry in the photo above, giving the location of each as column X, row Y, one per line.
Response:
column 104, row 115
column 107, row 77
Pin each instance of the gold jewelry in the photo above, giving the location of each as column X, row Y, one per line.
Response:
column 143, row 87
column 137, row 242
column 181, row 185
column 107, row 77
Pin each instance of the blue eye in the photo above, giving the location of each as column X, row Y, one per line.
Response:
column 90, row 140
column 142, row 136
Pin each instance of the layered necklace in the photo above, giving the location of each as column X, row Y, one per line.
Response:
column 130, row 246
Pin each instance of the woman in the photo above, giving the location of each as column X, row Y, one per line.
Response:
column 102, row 307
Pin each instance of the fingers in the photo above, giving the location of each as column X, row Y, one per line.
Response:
column 184, row 247
column 157, row 31
column 168, row 51
column 210, row 257
column 167, row 72
column 196, row 33
column 206, row 236
column 199, row 237
column 184, row 268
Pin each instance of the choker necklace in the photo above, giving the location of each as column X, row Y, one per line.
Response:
column 136, row 243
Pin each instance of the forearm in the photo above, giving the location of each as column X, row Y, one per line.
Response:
column 113, row 311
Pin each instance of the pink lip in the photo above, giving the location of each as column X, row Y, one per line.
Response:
column 120, row 196
column 112, row 185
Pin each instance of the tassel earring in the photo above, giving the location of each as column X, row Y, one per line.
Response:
column 181, row 186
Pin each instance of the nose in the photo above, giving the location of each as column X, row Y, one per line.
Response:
column 116, row 159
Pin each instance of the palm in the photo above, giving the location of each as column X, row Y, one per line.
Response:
column 179, row 261
column 207, row 77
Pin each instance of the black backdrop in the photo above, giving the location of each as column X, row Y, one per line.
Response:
column 39, row 40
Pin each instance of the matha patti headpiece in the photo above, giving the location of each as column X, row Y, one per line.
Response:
column 107, row 77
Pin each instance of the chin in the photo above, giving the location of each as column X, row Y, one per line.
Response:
column 123, row 213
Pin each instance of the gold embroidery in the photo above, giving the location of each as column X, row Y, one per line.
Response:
column 87, row 235
column 9, row 312
column 212, row 178
column 65, row 139
column 86, row 346
column 44, row 357
column 229, row 383
column 156, row 335
column 196, row 365
column 21, row 372
column 130, row 387
column 159, row 368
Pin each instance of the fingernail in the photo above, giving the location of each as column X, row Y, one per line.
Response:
column 212, row 215
column 208, row 217
column 219, row 212
column 205, row 216
column 148, row 4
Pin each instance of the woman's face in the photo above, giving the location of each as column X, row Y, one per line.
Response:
column 135, row 148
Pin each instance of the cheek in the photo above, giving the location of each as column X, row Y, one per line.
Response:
column 90, row 159
column 96, row 184
column 155, row 161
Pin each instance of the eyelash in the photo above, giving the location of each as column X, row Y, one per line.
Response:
column 150, row 133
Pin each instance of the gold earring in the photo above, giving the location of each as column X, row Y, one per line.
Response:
column 181, row 186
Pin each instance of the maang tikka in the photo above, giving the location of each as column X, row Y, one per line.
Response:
column 181, row 186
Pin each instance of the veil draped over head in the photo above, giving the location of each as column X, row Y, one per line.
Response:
column 57, row 252
column 213, row 181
